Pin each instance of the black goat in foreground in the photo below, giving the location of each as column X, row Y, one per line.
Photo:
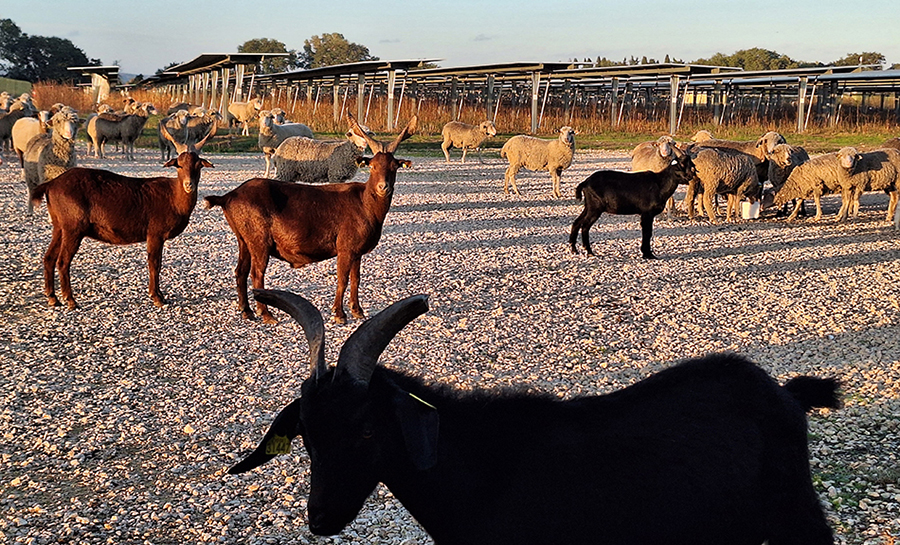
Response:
column 709, row 451
column 644, row 193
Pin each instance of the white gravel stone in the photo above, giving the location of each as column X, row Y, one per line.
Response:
column 118, row 419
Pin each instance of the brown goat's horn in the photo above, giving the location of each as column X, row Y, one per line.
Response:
column 360, row 353
column 212, row 131
column 376, row 146
column 309, row 318
column 179, row 146
column 408, row 131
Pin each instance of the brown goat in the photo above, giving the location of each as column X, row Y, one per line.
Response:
column 116, row 209
column 303, row 224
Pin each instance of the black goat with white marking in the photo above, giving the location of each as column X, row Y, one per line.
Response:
column 710, row 451
column 644, row 193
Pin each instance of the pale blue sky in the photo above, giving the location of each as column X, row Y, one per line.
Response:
column 145, row 36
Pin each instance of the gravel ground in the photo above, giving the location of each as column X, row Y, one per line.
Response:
column 118, row 420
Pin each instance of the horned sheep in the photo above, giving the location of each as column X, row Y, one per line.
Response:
column 538, row 154
column 49, row 155
column 456, row 134
column 272, row 134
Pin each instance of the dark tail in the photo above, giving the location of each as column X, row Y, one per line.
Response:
column 579, row 189
column 216, row 200
column 37, row 194
column 812, row 392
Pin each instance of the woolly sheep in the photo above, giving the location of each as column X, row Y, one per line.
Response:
column 126, row 128
column 272, row 134
column 877, row 170
column 757, row 149
column 466, row 137
column 176, row 125
column 537, row 154
column 301, row 159
column 17, row 111
column 90, row 126
column 814, row 178
column 202, row 125
column 25, row 129
column 722, row 171
column 49, row 155
column 782, row 160
column 654, row 157
column 243, row 112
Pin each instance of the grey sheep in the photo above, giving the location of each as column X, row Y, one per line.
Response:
column 537, row 154
column 464, row 136
column 175, row 124
column 48, row 155
column 202, row 125
column 759, row 148
column 301, row 159
column 814, row 178
column 243, row 112
column 126, row 128
column 783, row 159
column 722, row 171
column 876, row 170
column 272, row 134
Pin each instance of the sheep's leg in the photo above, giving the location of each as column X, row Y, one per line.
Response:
column 647, row 234
column 355, row 308
column 576, row 225
column 241, row 272
column 555, row 176
column 464, row 154
column 445, row 147
column 510, row 179
column 344, row 264
column 586, row 224
column 68, row 247
column 689, row 197
column 268, row 164
column 892, row 204
column 708, row 205
column 798, row 204
column 818, row 198
column 154, row 262
column 50, row 260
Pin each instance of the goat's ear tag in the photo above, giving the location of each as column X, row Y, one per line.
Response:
column 278, row 444
column 422, row 401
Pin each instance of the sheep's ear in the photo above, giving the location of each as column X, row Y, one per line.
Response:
column 419, row 423
column 363, row 162
column 171, row 162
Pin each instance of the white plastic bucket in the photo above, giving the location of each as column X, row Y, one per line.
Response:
column 750, row 211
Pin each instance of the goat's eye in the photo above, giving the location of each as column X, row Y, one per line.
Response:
column 367, row 433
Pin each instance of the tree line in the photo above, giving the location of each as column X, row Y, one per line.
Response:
column 41, row 58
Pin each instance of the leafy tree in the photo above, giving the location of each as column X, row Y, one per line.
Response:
column 331, row 49
column 38, row 58
column 756, row 59
column 853, row 59
column 266, row 45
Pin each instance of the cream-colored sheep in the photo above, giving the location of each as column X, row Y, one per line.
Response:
column 464, row 136
column 537, row 154
column 244, row 112
column 50, row 154
column 814, row 178
column 721, row 171
column 25, row 129
column 655, row 156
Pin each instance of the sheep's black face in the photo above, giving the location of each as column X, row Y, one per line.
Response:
column 340, row 435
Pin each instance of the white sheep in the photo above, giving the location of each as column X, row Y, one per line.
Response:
column 301, row 159
column 722, row 171
column 48, row 155
column 814, row 178
column 877, row 170
column 272, row 134
column 537, row 154
column 243, row 112
column 655, row 156
column 464, row 136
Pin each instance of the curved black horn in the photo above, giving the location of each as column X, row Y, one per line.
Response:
column 309, row 318
column 408, row 131
column 360, row 353
column 377, row 147
column 277, row 440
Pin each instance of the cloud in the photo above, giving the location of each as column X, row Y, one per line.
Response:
column 394, row 41
column 483, row 38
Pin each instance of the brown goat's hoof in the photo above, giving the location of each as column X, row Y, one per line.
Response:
column 269, row 319
column 358, row 314
column 340, row 319
column 71, row 304
column 52, row 301
column 159, row 302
